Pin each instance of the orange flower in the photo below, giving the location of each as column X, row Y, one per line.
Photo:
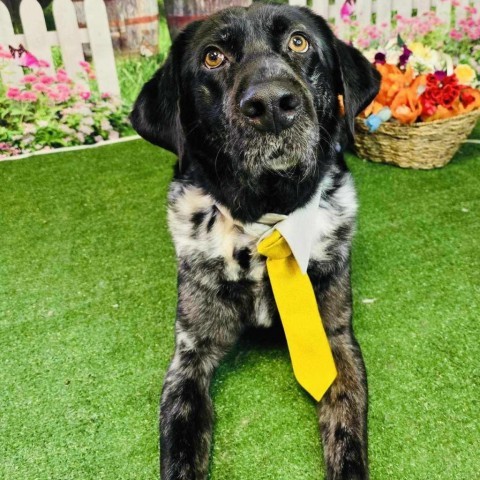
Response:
column 406, row 106
column 419, row 81
column 393, row 80
column 469, row 99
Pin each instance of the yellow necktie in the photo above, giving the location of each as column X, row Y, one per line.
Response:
column 310, row 352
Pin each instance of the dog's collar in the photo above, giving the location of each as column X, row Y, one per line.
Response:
column 298, row 228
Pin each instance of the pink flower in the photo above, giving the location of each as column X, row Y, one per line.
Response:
column 43, row 64
column 52, row 96
column 40, row 87
column 86, row 67
column 47, row 79
column 63, row 87
column 63, row 95
column 62, row 76
column 13, row 93
column 106, row 95
column 456, row 35
column 347, row 10
column 28, row 97
column 474, row 34
column 85, row 95
column 29, row 79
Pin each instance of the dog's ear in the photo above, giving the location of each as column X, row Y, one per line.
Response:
column 360, row 82
column 156, row 112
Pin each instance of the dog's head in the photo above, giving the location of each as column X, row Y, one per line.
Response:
column 252, row 96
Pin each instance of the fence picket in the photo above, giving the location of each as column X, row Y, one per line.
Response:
column 422, row 6
column 363, row 10
column 69, row 37
column 320, row 7
column 7, row 37
column 460, row 12
column 35, row 31
column 444, row 9
column 384, row 13
column 101, row 45
column 403, row 7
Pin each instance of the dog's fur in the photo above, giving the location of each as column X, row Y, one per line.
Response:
column 229, row 174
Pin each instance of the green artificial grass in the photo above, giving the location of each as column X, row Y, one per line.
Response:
column 87, row 307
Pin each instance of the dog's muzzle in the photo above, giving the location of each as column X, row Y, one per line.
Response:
column 270, row 106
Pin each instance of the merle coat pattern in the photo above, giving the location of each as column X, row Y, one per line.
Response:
column 256, row 133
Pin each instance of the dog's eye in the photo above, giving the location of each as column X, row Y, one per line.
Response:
column 298, row 43
column 214, row 59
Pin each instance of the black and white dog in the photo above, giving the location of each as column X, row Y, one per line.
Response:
column 250, row 101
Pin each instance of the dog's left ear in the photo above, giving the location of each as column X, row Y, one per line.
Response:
column 360, row 82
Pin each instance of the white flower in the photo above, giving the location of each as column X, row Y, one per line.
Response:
column 113, row 135
column 66, row 129
column 29, row 128
column 85, row 129
column 105, row 125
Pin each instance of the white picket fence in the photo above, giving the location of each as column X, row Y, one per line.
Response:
column 384, row 10
column 68, row 36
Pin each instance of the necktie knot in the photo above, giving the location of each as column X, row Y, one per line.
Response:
column 274, row 246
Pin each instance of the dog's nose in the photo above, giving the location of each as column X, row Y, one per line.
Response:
column 270, row 106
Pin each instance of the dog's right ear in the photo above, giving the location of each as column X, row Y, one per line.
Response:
column 156, row 112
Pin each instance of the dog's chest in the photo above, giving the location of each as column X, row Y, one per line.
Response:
column 216, row 250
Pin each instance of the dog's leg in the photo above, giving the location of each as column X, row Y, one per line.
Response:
column 186, row 412
column 343, row 410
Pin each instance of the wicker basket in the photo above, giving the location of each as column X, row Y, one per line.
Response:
column 420, row 145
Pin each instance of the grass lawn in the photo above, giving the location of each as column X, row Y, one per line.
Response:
column 87, row 306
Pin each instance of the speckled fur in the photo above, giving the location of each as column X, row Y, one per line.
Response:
column 229, row 176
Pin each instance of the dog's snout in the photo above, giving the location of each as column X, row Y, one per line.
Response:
column 270, row 106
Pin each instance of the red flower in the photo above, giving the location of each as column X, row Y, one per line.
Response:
column 450, row 80
column 431, row 80
column 466, row 98
column 428, row 104
column 449, row 93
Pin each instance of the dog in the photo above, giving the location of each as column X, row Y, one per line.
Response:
column 258, row 104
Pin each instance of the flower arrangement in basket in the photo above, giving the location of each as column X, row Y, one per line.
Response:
column 426, row 106
column 423, row 100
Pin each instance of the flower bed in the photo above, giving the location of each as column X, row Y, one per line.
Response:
column 46, row 112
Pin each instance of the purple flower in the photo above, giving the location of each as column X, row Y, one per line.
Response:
column 380, row 58
column 404, row 56
column 440, row 75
